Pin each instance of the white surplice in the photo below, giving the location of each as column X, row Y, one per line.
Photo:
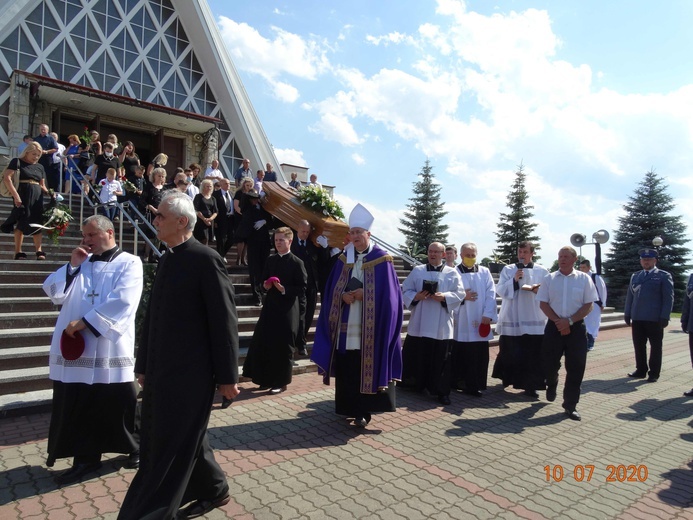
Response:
column 519, row 312
column 468, row 315
column 106, row 295
column 429, row 319
column 594, row 318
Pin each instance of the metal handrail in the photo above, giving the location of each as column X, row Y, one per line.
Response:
column 122, row 207
column 395, row 250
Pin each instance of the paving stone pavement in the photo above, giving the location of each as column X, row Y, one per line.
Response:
column 501, row 456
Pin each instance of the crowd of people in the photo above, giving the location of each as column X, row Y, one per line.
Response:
column 543, row 318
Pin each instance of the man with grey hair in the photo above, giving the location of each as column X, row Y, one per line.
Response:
column 473, row 320
column 179, row 367
column 92, row 352
column 566, row 297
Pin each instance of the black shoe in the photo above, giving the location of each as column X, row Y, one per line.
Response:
column 551, row 394
column 202, row 507
column 637, row 374
column 689, row 393
column 76, row 472
column 361, row 422
column 302, row 351
column 444, row 399
column 473, row 393
column 531, row 393
column 133, row 461
column 652, row 379
column 573, row 415
column 225, row 403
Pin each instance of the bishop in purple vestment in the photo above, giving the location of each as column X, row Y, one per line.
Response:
column 357, row 339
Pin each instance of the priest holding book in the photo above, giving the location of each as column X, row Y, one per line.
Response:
column 433, row 292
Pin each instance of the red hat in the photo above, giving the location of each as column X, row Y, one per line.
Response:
column 484, row 330
column 71, row 347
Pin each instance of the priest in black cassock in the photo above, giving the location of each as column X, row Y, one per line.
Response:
column 268, row 362
column 94, row 394
column 179, row 367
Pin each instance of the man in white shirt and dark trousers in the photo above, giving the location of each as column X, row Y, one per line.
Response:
column 566, row 297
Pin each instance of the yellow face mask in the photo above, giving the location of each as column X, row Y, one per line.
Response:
column 468, row 262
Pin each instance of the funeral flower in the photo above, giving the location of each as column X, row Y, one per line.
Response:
column 319, row 200
column 57, row 218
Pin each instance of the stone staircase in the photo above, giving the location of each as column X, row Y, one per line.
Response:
column 27, row 317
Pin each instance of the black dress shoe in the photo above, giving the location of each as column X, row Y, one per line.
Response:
column 76, row 472
column 573, row 415
column 551, row 394
column 133, row 461
column 444, row 399
column 202, row 507
column 689, row 393
column 531, row 393
column 637, row 374
column 302, row 351
column 652, row 379
column 225, row 403
column 473, row 393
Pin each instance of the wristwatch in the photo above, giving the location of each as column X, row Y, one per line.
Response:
column 570, row 321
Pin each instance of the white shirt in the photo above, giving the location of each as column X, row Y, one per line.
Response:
column 429, row 319
column 213, row 173
column 594, row 318
column 566, row 294
column 108, row 190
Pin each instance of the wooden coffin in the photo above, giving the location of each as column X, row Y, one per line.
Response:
column 281, row 201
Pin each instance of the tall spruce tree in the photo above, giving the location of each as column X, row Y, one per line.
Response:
column 648, row 214
column 422, row 222
column 515, row 226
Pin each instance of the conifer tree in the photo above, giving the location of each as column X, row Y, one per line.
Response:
column 422, row 222
column 515, row 225
column 647, row 215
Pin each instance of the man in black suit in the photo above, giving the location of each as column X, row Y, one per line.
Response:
column 314, row 258
column 254, row 229
column 224, row 222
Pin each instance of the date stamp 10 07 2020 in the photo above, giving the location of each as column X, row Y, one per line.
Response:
column 586, row 473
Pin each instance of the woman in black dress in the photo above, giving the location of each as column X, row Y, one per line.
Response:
column 130, row 160
column 206, row 209
column 28, row 199
column 149, row 203
column 240, row 202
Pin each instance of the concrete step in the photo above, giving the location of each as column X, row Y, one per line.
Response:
column 21, row 320
column 24, row 357
column 24, row 380
column 15, row 338
column 26, row 304
column 28, row 290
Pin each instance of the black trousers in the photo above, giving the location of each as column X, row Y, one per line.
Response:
column 306, row 318
column 574, row 347
column 258, row 251
column 224, row 234
column 643, row 331
column 469, row 366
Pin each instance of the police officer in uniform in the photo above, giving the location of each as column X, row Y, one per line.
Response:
column 649, row 302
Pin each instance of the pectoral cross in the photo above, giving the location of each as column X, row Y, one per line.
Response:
column 93, row 295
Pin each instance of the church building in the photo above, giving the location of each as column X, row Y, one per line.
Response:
column 154, row 72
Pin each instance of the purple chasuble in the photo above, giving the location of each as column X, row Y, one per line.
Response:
column 381, row 349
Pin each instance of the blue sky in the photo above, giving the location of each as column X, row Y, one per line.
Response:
column 587, row 95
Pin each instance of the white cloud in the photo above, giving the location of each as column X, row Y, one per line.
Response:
column 285, row 92
column 290, row 156
column 286, row 54
column 358, row 159
column 387, row 39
